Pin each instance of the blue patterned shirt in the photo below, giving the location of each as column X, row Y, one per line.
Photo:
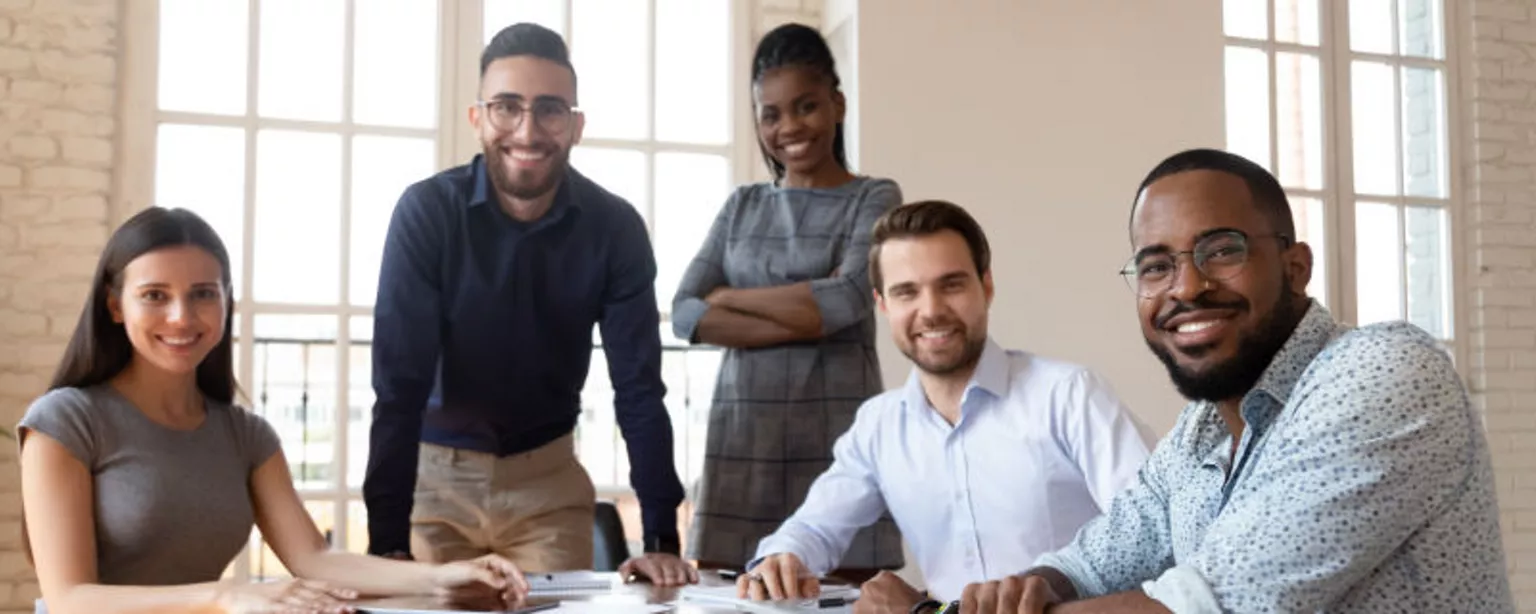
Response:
column 1362, row 484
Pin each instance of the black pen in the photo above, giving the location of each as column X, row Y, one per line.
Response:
column 729, row 574
column 834, row 602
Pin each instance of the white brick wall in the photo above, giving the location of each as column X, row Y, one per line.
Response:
column 58, row 77
column 1498, row 74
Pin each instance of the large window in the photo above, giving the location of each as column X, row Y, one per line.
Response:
column 294, row 125
column 1346, row 103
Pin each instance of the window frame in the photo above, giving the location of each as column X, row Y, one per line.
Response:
column 1338, row 193
column 459, row 44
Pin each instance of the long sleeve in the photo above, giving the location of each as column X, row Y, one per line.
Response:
column 705, row 273
column 1130, row 543
column 406, row 347
column 631, row 332
column 846, row 299
column 841, row 501
column 1359, row 466
column 1100, row 434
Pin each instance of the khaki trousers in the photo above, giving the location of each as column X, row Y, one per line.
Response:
column 535, row 508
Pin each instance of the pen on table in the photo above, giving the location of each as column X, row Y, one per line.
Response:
column 729, row 574
column 835, row 602
column 538, row 608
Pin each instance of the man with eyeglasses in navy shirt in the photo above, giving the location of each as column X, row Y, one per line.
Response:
column 493, row 276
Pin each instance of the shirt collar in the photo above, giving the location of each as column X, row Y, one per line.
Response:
column 991, row 375
column 1312, row 334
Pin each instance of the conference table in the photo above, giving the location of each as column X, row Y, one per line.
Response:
column 633, row 598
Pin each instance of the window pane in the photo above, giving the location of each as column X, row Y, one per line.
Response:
column 692, row 51
column 1245, row 18
column 598, row 443
column 1247, row 98
column 1374, row 118
column 298, row 194
column 502, row 13
column 1299, row 120
column 203, row 56
column 1370, row 26
column 1422, row 35
column 689, row 191
column 1424, row 150
column 608, row 47
column 690, row 373
column 1428, row 262
column 294, row 388
column 382, row 167
column 357, row 527
column 1308, row 216
column 621, row 171
column 202, row 168
column 1296, row 21
column 360, row 400
column 394, row 64
column 1378, row 263
column 300, row 62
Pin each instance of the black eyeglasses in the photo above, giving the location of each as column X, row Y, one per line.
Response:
column 1218, row 256
column 507, row 114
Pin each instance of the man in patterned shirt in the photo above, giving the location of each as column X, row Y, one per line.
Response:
column 1319, row 467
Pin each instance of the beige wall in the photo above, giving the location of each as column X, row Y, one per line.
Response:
column 1041, row 117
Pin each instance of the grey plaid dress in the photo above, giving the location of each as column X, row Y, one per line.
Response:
column 778, row 410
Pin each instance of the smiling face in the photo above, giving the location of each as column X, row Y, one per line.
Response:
column 797, row 116
column 173, row 306
column 527, row 160
column 1216, row 336
column 936, row 303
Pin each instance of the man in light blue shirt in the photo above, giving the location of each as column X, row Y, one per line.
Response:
column 985, row 459
column 1319, row 467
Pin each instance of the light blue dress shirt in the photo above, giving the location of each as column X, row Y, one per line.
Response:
column 1041, row 446
column 1362, row 484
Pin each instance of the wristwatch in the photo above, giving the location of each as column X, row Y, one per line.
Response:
column 927, row 606
column 663, row 545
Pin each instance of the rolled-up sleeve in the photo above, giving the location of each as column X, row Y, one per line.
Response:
column 846, row 299
column 705, row 273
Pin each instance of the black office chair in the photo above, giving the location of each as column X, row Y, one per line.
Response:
column 609, row 550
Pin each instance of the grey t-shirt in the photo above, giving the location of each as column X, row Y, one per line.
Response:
column 171, row 506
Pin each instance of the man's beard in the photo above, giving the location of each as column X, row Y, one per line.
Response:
column 1255, row 351
column 526, row 187
column 970, row 354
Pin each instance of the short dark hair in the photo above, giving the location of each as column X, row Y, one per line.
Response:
column 99, row 349
column 924, row 218
column 799, row 45
column 527, row 39
column 1262, row 186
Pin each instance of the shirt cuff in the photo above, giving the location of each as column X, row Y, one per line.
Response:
column 1086, row 584
column 778, row 543
column 685, row 318
column 1183, row 591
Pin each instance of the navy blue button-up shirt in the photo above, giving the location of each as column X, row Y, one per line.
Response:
column 483, row 338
